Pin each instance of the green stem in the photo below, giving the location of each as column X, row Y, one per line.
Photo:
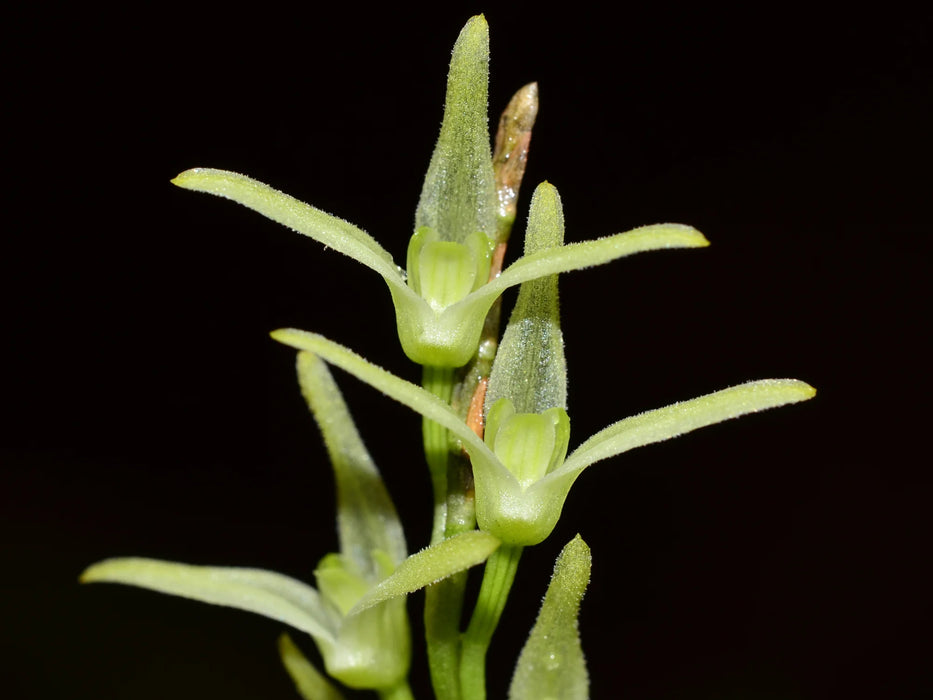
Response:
column 400, row 692
column 452, row 474
column 439, row 381
column 443, row 607
column 443, row 602
column 493, row 594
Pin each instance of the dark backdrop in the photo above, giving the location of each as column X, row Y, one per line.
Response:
column 148, row 413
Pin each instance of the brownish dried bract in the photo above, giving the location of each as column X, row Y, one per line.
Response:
column 511, row 152
column 475, row 418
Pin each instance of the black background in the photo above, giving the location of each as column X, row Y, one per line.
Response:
column 148, row 412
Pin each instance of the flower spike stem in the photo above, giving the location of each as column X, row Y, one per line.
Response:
column 493, row 594
column 443, row 604
column 439, row 381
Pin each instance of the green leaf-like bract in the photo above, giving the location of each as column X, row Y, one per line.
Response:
column 458, row 197
column 551, row 665
column 530, row 369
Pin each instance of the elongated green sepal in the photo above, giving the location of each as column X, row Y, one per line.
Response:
column 458, row 197
column 367, row 521
column 310, row 683
column 411, row 395
column 679, row 418
column 268, row 593
column 431, row 565
column 333, row 232
column 551, row 665
column 576, row 256
column 530, row 369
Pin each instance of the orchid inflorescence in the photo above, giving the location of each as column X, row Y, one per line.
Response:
column 496, row 427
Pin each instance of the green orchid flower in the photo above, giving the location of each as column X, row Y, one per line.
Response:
column 356, row 615
column 443, row 298
column 443, row 327
column 525, row 513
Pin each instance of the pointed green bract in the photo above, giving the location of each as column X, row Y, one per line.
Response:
column 268, row 593
column 551, row 665
column 309, row 682
column 458, row 197
column 530, row 369
column 367, row 521
column 431, row 565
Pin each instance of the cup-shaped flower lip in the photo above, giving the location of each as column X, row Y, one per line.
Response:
column 444, row 272
column 529, row 445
